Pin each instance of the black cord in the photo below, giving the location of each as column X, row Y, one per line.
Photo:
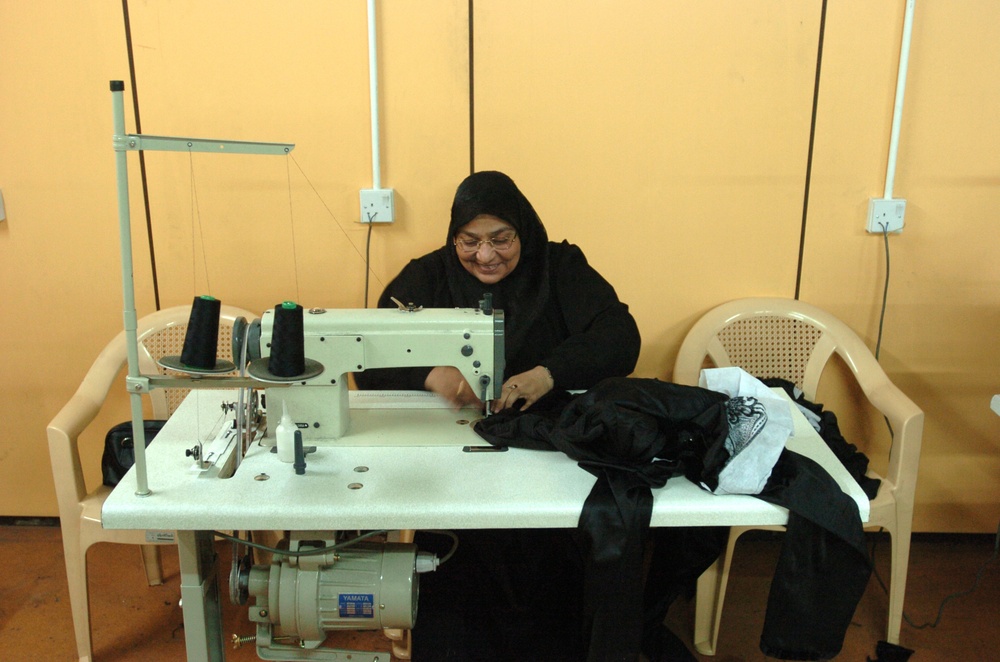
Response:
column 996, row 545
column 142, row 156
column 368, row 253
column 809, row 152
column 885, row 290
column 330, row 548
column 949, row 598
column 308, row 552
column 881, row 319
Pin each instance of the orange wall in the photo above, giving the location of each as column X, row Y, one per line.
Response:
column 669, row 140
column 943, row 314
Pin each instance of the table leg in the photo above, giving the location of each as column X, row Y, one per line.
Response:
column 200, row 597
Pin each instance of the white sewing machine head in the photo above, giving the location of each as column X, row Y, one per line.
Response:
column 342, row 341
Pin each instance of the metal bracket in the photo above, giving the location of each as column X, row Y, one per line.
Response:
column 269, row 649
column 138, row 384
column 137, row 142
column 406, row 307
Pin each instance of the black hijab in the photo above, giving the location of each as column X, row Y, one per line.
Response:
column 523, row 293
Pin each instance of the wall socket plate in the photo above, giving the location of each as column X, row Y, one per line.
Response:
column 889, row 212
column 377, row 205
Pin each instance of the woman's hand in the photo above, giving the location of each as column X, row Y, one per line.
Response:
column 528, row 386
column 451, row 385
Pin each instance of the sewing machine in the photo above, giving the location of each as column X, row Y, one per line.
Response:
column 342, row 341
column 298, row 600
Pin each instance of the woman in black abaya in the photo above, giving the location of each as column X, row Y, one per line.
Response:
column 510, row 595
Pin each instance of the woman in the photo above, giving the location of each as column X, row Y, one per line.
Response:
column 510, row 595
column 565, row 327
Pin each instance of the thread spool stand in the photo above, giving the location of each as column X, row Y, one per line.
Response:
column 201, row 342
column 287, row 362
column 122, row 143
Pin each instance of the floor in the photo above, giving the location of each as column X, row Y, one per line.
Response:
column 132, row 621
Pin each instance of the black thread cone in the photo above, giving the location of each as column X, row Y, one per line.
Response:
column 201, row 342
column 288, row 357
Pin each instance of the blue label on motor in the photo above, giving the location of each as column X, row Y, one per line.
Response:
column 357, row 605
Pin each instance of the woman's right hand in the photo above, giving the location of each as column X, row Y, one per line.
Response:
column 451, row 385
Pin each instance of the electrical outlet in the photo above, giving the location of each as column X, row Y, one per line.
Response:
column 377, row 205
column 888, row 212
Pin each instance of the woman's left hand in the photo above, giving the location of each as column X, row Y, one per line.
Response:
column 528, row 386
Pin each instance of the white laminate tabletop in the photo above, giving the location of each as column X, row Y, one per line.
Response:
column 384, row 475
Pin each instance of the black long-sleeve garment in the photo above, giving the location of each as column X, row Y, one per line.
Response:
column 512, row 594
column 499, row 596
column 579, row 330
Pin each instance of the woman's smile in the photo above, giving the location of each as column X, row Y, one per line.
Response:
column 488, row 248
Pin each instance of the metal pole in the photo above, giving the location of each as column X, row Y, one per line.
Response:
column 128, row 286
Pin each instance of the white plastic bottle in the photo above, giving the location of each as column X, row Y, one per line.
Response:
column 285, row 435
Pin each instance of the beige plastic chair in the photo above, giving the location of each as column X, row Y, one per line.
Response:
column 160, row 334
column 771, row 337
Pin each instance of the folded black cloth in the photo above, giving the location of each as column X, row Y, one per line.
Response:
column 853, row 459
column 634, row 434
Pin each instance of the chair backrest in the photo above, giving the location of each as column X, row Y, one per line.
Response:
column 767, row 337
column 793, row 340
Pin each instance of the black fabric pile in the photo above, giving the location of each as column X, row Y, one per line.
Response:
column 886, row 652
column 853, row 460
column 634, row 434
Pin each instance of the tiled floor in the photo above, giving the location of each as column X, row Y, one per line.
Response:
column 132, row 621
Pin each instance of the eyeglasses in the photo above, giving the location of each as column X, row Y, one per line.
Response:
column 499, row 244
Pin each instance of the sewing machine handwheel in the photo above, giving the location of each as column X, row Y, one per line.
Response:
column 239, row 338
column 239, row 574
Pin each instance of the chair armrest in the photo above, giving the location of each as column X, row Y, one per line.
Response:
column 905, row 418
column 64, row 451
column 907, row 422
column 64, row 429
column 894, row 405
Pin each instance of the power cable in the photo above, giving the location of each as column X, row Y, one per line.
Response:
column 948, row 598
column 996, row 542
column 881, row 318
column 313, row 551
column 330, row 548
column 885, row 290
column 368, row 253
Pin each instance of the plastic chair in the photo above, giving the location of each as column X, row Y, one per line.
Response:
column 160, row 334
column 772, row 337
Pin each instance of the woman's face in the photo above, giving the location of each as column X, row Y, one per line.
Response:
column 484, row 260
